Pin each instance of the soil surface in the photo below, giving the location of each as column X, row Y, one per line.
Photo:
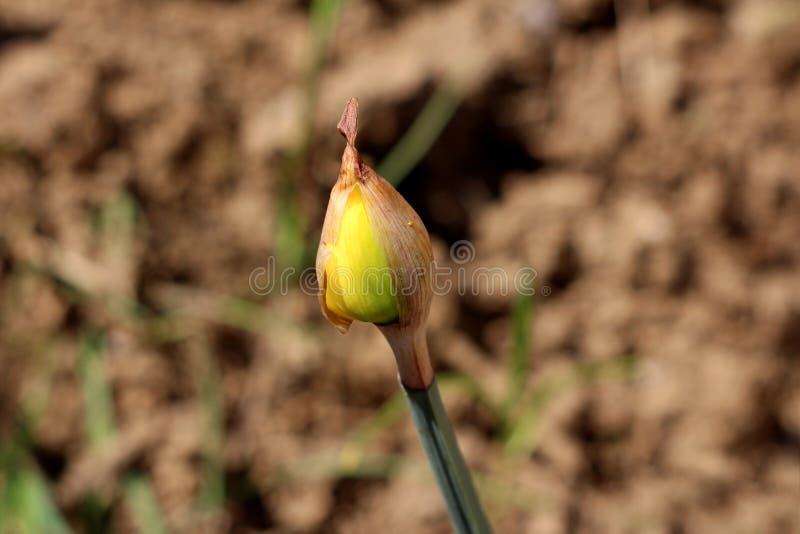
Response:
column 642, row 157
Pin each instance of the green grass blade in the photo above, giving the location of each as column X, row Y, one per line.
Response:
column 34, row 505
column 97, row 398
column 98, row 408
column 523, row 433
column 354, row 452
column 143, row 505
column 519, row 361
column 419, row 138
column 292, row 222
column 469, row 386
column 207, row 380
column 116, row 226
column 26, row 505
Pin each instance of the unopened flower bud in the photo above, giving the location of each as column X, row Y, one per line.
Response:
column 374, row 260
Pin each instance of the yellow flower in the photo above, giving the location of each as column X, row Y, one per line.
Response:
column 374, row 259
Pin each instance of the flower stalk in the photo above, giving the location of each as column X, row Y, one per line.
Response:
column 441, row 448
column 374, row 264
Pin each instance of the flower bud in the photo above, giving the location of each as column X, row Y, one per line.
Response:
column 374, row 259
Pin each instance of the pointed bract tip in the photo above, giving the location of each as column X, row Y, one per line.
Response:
column 348, row 124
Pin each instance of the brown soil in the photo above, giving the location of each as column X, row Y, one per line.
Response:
column 646, row 165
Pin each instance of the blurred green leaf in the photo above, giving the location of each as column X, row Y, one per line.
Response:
column 98, row 407
column 98, row 402
column 26, row 505
column 324, row 16
column 116, row 226
column 419, row 138
column 328, row 466
column 519, row 364
column 143, row 505
column 207, row 380
column 290, row 241
column 291, row 246
column 522, row 435
column 95, row 514
column 355, row 450
column 470, row 387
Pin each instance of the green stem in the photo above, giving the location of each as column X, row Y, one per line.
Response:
column 441, row 447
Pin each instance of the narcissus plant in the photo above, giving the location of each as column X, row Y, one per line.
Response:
column 374, row 264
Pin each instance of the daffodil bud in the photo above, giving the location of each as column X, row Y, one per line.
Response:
column 374, row 260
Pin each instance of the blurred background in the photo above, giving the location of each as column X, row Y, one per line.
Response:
column 643, row 156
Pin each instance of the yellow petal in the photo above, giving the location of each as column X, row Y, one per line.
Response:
column 360, row 284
